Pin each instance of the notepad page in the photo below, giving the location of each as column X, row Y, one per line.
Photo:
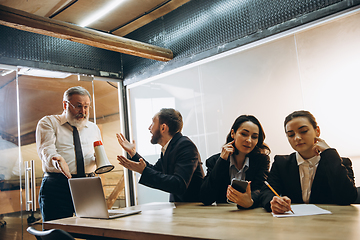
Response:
column 303, row 210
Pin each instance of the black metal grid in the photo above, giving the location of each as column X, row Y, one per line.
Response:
column 34, row 50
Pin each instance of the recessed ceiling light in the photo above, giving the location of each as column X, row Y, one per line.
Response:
column 42, row 73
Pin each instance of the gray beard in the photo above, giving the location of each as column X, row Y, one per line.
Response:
column 74, row 122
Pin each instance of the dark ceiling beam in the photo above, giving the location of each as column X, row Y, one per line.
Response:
column 32, row 23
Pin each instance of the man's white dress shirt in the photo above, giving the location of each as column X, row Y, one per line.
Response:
column 54, row 137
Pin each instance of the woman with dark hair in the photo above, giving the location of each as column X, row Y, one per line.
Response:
column 243, row 157
column 314, row 173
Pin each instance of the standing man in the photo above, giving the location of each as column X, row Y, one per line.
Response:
column 178, row 171
column 65, row 146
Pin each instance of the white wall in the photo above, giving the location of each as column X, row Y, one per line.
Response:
column 315, row 68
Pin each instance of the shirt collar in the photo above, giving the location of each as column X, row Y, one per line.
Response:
column 63, row 119
column 312, row 161
column 163, row 149
column 245, row 166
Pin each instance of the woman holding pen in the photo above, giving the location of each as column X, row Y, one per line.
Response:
column 243, row 157
column 314, row 173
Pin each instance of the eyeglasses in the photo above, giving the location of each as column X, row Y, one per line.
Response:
column 80, row 106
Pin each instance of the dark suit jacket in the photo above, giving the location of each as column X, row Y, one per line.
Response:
column 333, row 182
column 179, row 172
column 218, row 178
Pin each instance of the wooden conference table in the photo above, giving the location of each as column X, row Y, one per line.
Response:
column 195, row 221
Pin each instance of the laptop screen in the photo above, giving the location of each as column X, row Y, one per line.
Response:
column 89, row 200
column 88, row 197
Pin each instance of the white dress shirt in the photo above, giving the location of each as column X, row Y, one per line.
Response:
column 307, row 170
column 54, row 137
column 163, row 149
column 236, row 173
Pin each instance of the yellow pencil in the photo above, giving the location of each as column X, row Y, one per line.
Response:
column 267, row 184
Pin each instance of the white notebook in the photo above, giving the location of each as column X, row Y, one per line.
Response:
column 89, row 200
column 303, row 210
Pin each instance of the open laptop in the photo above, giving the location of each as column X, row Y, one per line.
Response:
column 89, row 201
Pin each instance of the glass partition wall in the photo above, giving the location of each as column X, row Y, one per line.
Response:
column 312, row 68
column 107, row 100
column 11, row 177
column 26, row 96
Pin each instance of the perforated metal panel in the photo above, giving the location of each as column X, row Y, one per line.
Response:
column 34, row 50
column 202, row 28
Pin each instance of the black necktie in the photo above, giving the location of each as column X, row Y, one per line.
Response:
column 78, row 153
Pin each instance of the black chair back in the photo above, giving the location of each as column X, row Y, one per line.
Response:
column 357, row 201
column 53, row 234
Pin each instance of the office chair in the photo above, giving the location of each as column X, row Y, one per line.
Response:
column 357, row 201
column 53, row 234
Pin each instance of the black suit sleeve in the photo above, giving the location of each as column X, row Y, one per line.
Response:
column 156, row 167
column 340, row 177
column 185, row 160
column 266, row 194
column 216, row 180
column 257, row 177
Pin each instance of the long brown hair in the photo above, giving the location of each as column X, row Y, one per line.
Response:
column 261, row 147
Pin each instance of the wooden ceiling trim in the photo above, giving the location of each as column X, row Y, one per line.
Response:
column 145, row 19
column 29, row 22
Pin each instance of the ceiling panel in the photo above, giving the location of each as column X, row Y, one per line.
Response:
column 37, row 7
column 125, row 12
column 124, row 17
